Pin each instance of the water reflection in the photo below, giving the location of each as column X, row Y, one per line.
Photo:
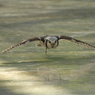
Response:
column 22, row 82
column 48, row 74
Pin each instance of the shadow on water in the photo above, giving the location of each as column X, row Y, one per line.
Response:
column 50, row 59
column 6, row 91
column 22, row 66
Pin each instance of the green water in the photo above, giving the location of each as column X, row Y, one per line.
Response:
column 68, row 69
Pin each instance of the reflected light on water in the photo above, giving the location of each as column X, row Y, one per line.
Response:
column 20, row 82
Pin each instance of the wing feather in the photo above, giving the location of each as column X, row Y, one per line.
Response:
column 77, row 41
column 23, row 42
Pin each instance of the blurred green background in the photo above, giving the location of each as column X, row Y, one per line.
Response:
column 26, row 70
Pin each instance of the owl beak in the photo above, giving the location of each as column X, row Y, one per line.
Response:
column 53, row 44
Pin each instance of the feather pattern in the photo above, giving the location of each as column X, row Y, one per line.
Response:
column 77, row 41
column 50, row 42
column 23, row 42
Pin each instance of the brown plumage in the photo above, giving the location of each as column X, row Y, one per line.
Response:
column 50, row 42
column 23, row 42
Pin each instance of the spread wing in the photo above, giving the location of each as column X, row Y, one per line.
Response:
column 76, row 41
column 23, row 42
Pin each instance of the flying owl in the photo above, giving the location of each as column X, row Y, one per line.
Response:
column 49, row 42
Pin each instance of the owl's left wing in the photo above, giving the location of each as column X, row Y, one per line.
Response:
column 76, row 41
